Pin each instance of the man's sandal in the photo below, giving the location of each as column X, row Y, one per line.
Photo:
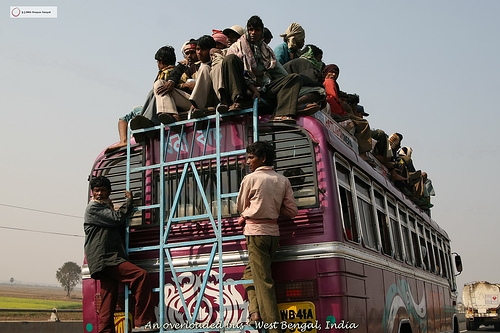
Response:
column 308, row 109
column 282, row 119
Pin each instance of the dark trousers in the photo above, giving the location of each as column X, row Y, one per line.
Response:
column 140, row 285
column 234, row 85
column 283, row 91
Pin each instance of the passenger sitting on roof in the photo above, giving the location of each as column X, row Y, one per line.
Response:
column 401, row 166
column 203, row 94
column 395, row 143
column 383, row 153
column 221, row 40
column 251, row 65
column 217, row 56
column 233, row 34
column 268, row 36
column 122, row 129
column 309, row 67
column 293, row 41
column 144, row 117
column 330, row 74
column 343, row 111
column 418, row 187
column 183, row 76
column 168, row 102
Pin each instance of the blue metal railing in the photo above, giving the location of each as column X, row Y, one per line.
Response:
column 164, row 247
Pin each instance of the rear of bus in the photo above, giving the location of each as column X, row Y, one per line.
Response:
column 317, row 286
column 295, row 158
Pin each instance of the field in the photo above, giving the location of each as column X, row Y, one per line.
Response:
column 37, row 297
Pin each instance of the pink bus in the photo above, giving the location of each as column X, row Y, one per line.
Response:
column 359, row 256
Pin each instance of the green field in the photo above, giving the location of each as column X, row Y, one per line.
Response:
column 27, row 303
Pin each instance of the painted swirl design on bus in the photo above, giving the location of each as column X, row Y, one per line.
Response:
column 235, row 307
column 399, row 297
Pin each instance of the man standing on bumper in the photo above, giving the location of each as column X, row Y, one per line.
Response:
column 264, row 196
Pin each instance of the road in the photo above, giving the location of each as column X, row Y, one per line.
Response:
column 481, row 329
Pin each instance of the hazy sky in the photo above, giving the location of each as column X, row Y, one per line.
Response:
column 427, row 69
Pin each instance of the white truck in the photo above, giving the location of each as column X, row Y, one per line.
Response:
column 481, row 301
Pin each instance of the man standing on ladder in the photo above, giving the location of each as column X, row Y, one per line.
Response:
column 107, row 260
column 264, row 196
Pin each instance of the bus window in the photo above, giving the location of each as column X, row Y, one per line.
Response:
column 295, row 159
column 417, row 250
column 365, row 211
column 415, row 242
column 406, row 237
column 439, row 266
column 430, row 251
column 444, row 265
column 423, row 247
column 190, row 198
column 115, row 168
column 383, row 224
column 396, row 231
column 346, row 203
column 451, row 276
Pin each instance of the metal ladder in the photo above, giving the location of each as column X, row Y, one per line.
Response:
column 472, row 296
column 166, row 222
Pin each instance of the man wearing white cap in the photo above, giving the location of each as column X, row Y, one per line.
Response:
column 233, row 34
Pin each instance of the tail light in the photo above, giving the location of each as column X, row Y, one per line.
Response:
column 296, row 291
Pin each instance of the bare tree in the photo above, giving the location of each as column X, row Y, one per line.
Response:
column 69, row 275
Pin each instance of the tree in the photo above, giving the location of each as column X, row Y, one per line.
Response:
column 11, row 280
column 69, row 275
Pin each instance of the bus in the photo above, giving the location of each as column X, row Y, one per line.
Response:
column 359, row 256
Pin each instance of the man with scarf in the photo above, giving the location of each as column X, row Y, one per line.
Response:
column 293, row 41
column 107, row 260
column 251, row 65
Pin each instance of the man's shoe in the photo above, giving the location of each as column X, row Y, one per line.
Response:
column 308, row 109
column 222, row 108
column 140, row 122
column 166, row 118
column 196, row 113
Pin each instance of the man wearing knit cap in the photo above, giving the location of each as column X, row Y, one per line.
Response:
column 293, row 41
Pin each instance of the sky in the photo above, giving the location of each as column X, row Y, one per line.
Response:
column 427, row 69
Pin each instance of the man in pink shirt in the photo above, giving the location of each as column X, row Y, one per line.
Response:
column 264, row 196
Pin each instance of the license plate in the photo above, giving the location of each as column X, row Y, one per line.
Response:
column 298, row 317
column 120, row 322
